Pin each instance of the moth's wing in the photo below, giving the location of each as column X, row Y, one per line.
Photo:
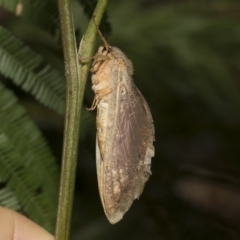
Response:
column 99, row 163
column 129, row 163
column 114, row 216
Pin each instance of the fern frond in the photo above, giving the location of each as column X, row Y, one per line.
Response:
column 27, row 167
column 8, row 198
column 26, row 68
column 41, row 13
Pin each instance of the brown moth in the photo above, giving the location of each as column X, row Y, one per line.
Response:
column 125, row 132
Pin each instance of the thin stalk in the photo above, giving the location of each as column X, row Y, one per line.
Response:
column 76, row 77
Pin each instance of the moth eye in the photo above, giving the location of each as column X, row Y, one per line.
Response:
column 105, row 52
column 100, row 49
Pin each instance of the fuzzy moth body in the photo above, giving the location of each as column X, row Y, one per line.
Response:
column 125, row 133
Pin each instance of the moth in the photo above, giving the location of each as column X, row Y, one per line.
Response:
column 125, row 132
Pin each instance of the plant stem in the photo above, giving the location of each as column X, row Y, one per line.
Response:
column 76, row 77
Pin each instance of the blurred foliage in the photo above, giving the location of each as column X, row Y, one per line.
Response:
column 24, row 159
column 43, row 14
column 186, row 56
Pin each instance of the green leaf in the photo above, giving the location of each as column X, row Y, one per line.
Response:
column 28, row 171
column 28, row 70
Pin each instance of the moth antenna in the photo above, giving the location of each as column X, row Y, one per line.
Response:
column 106, row 45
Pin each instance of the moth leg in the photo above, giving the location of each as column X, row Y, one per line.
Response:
column 98, row 59
column 84, row 59
column 97, row 56
column 99, row 95
column 94, row 104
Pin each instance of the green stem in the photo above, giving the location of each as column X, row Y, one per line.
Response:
column 76, row 77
